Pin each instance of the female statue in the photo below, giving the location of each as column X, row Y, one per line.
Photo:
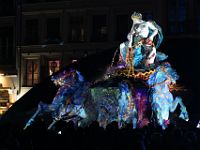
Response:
column 143, row 40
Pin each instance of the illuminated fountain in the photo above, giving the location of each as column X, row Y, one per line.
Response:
column 136, row 87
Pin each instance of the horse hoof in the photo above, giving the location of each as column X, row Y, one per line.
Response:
column 184, row 116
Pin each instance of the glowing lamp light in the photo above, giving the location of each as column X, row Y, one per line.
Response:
column 198, row 125
column 74, row 60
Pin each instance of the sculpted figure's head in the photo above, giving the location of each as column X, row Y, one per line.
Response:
column 136, row 16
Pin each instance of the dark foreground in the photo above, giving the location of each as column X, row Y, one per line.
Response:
column 37, row 137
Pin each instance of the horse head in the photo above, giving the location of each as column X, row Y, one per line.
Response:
column 66, row 77
column 162, row 73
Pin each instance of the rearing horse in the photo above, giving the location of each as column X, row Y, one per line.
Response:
column 68, row 101
column 162, row 100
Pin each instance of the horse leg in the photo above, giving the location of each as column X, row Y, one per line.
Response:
column 158, row 111
column 38, row 111
column 31, row 120
column 52, row 124
column 134, row 119
column 120, row 117
column 183, row 114
column 56, row 118
column 160, row 119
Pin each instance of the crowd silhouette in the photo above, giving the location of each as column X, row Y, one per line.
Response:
column 66, row 135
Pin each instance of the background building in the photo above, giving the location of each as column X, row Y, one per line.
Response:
column 38, row 37
column 8, row 72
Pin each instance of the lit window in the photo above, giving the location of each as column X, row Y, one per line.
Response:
column 32, row 72
column 4, row 98
column 4, row 101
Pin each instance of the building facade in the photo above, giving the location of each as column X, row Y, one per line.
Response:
column 8, row 72
column 49, row 34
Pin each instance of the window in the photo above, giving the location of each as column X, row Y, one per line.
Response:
column 100, row 28
column 177, row 16
column 32, row 72
column 37, row 1
column 53, row 31
column 31, row 1
column 7, row 8
column 6, row 45
column 4, row 101
column 198, row 15
column 53, row 65
column 121, row 27
column 32, row 35
column 77, row 32
column 56, row 0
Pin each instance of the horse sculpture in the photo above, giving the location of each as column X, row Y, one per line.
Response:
column 162, row 100
column 82, row 103
column 114, row 100
column 68, row 101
